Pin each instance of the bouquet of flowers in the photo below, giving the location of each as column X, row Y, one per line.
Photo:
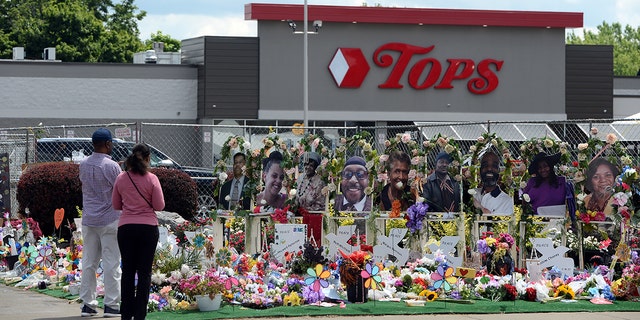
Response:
column 496, row 251
column 208, row 283
column 281, row 215
column 351, row 266
column 415, row 215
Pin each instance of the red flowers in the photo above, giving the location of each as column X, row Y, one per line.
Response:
column 530, row 294
column 280, row 215
column 511, row 292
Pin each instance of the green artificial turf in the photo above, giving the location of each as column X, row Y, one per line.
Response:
column 385, row 308
column 400, row 308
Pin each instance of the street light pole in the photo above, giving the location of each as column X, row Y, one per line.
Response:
column 305, row 70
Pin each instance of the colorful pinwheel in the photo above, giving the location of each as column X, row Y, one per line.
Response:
column 198, row 241
column 45, row 257
column 28, row 255
column 371, row 273
column 444, row 278
column 317, row 277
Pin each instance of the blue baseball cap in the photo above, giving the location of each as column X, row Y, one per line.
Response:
column 101, row 134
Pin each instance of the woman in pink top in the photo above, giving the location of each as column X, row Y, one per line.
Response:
column 137, row 192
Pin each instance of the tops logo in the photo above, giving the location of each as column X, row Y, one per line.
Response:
column 349, row 67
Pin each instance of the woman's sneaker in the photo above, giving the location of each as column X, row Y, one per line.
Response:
column 88, row 311
column 111, row 312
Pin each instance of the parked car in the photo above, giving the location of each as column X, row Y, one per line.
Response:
column 76, row 149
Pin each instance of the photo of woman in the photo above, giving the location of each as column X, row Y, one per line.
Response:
column 273, row 176
column 601, row 178
column 310, row 184
column 544, row 187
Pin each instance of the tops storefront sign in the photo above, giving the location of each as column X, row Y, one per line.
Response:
column 349, row 68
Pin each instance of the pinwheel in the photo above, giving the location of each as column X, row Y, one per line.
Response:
column 28, row 255
column 317, row 277
column 444, row 278
column 371, row 273
column 45, row 257
column 223, row 257
column 198, row 241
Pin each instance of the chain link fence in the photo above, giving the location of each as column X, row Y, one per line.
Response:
column 197, row 148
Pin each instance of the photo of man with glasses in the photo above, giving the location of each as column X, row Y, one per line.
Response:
column 355, row 179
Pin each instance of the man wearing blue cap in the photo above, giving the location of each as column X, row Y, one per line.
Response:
column 441, row 192
column 100, row 227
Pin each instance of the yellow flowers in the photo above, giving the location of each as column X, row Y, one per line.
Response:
column 428, row 295
column 564, row 291
column 292, row 299
column 183, row 305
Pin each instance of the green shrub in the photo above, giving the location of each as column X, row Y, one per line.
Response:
column 46, row 187
column 180, row 192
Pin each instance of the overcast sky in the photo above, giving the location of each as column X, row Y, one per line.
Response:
column 183, row 19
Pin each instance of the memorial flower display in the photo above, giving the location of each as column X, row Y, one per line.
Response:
column 260, row 280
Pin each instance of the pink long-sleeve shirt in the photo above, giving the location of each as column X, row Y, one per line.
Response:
column 135, row 210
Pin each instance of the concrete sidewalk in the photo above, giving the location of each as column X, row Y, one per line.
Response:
column 19, row 304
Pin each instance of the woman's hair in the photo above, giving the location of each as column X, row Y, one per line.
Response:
column 136, row 160
column 397, row 155
column 593, row 167
column 275, row 157
column 553, row 178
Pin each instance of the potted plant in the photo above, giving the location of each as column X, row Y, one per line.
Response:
column 205, row 288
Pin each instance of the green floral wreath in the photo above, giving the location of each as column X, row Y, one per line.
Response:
column 334, row 167
column 530, row 148
column 233, row 143
column 315, row 143
column 231, row 146
column 254, row 164
column 471, row 159
column 471, row 172
column 614, row 152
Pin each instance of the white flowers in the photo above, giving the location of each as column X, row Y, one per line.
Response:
column 222, row 176
column 399, row 185
column 246, row 145
column 526, row 197
column 420, row 199
column 472, row 192
column 293, row 192
column 227, row 198
column 582, row 146
column 263, row 202
column 580, row 197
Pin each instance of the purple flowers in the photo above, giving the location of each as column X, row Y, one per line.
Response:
column 483, row 248
column 415, row 215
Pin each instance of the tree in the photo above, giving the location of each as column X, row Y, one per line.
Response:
column 80, row 30
column 170, row 44
column 626, row 45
